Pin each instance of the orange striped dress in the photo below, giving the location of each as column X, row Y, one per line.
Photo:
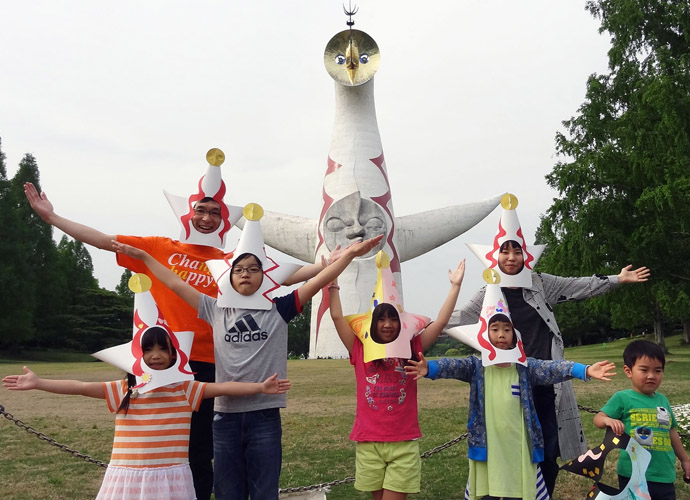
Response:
column 151, row 445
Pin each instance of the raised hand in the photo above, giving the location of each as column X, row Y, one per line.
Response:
column 417, row 368
column 601, row 370
column 39, row 202
column 456, row 276
column 630, row 275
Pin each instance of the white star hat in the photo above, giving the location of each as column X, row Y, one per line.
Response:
column 477, row 335
column 211, row 185
column 274, row 273
column 129, row 356
column 386, row 290
column 509, row 229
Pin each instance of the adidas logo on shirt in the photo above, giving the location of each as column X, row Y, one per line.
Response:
column 245, row 330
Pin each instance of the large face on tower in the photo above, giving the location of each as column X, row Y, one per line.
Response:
column 352, row 219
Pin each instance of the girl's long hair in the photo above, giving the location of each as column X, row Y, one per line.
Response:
column 151, row 337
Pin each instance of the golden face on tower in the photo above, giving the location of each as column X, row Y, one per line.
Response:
column 351, row 57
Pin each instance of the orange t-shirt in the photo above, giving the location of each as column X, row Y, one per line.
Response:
column 189, row 263
column 155, row 430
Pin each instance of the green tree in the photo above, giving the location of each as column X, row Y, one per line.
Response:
column 298, row 332
column 624, row 177
column 16, row 293
column 122, row 287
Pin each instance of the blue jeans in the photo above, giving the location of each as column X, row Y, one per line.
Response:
column 247, row 455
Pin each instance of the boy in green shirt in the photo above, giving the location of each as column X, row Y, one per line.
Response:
column 642, row 407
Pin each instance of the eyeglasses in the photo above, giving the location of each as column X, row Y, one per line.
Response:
column 201, row 212
column 250, row 269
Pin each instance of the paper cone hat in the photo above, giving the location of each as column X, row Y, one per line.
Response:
column 509, row 229
column 386, row 291
column 477, row 335
column 274, row 274
column 211, row 185
column 130, row 356
column 591, row 465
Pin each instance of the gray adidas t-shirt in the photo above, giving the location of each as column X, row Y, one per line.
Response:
column 250, row 345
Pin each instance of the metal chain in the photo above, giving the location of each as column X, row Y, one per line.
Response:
column 294, row 489
column 43, row 437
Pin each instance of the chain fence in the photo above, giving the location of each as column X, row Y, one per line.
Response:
column 683, row 412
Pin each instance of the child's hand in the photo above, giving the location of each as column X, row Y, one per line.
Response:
column 21, row 382
column 456, row 276
column 617, row 426
column 601, row 370
column 363, row 247
column 275, row 385
column 417, row 368
column 126, row 249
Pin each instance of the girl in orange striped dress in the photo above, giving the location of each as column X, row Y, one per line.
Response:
column 149, row 459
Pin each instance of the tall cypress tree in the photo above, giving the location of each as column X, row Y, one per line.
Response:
column 16, row 291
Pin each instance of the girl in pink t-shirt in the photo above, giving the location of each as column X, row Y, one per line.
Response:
column 386, row 427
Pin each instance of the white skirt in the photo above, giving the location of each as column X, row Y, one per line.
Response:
column 157, row 483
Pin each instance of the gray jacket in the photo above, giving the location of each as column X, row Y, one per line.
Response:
column 545, row 291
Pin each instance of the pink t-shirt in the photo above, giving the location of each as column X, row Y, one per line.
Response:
column 386, row 398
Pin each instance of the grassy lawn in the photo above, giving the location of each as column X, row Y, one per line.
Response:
column 316, row 426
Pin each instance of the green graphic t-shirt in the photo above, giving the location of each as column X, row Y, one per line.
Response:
column 653, row 417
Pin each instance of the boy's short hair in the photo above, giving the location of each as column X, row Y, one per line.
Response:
column 640, row 348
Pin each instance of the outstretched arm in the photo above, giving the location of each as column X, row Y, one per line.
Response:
column 417, row 368
column 602, row 421
column 347, row 336
column 630, row 275
column 30, row 381
column 307, row 272
column 431, row 332
column 333, row 270
column 44, row 208
column 272, row 385
column 185, row 291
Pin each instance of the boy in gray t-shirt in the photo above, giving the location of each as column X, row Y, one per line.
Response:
column 248, row 343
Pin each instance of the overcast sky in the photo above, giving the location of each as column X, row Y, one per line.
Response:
column 118, row 101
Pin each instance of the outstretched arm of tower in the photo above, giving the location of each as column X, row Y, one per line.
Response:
column 44, row 208
column 419, row 233
column 431, row 332
column 186, row 292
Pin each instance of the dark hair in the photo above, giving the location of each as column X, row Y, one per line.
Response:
column 640, row 348
column 153, row 336
column 244, row 256
column 205, row 199
column 504, row 319
column 510, row 244
column 381, row 311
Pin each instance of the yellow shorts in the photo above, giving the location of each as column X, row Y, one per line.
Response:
column 392, row 466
